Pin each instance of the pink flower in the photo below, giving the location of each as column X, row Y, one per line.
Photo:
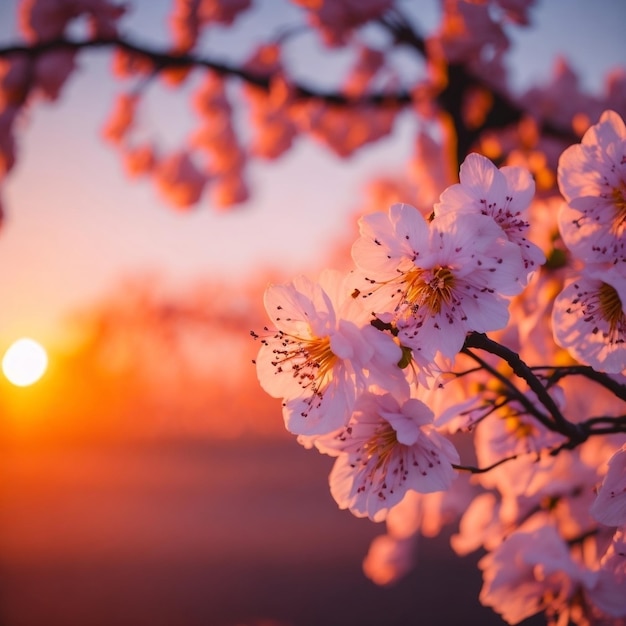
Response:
column 480, row 526
column 15, row 80
column 438, row 281
column 8, row 116
column 274, row 130
column 387, row 448
column 531, row 572
column 589, row 319
column 179, row 180
column 228, row 190
column 465, row 29
column 184, row 24
column 608, row 595
column 121, row 118
column 337, row 18
column 52, row 70
column 389, row 559
column 369, row 61
column 512, row 431
column 432, row 167
column 504, row 194
column 221, row 145
column 222, row 11
column 561, row 100
column 47, row 19
column 319, row 354
column 592, row 178
column 343, row 130
column 140, row 160
column 211, row 101
column 610, row 505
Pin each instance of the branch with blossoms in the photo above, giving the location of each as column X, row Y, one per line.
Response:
column 458, row 96
column 431, row 337
column 484, row 317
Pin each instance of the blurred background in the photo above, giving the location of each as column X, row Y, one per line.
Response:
column 146, row 479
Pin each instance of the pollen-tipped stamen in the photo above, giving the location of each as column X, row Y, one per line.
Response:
column 430, row 288
column 381, row 445
column 611, row 308
column 618, row 196
column 321, row 357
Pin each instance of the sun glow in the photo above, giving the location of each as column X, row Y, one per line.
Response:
column 25, row 362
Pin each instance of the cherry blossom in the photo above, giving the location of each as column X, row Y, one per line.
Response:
column 369, row 61
column 139, row 160
column 121, row 119
column 271, row 119
column 589, row 318
column 388, row 559
column 531, row 572
column 41, row 20
column 387, row 448
column 480, row 526
column 317, row 361
column 345, row 131
column 455, row 371
column 504, row 194
column 51, row 72
column 436, row 281
column 592, row 179
column 8, row 117
column 179, row 179
column 188, row 17
column 608, row 593
column 465, row 30
column 337, row 18
column 610, row 506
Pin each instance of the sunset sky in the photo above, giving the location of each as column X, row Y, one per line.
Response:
column 136, row 490
column 74, row 224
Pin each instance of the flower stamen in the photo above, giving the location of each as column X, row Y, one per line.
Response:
column 618, row 196
column 430, row 288
column 381, row 445
column 611, row 309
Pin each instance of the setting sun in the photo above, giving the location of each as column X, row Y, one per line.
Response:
column 25, row 362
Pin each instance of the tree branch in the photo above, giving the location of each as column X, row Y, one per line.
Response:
column 574, row 432
column 482, row 470
column 503, row 113
column 530, row 408
column 558, row 372
column 170, row 60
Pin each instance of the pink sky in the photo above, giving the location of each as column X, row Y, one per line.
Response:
column 75, row 225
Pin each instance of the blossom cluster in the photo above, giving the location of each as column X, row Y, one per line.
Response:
column 235, row 124
column 427, row 343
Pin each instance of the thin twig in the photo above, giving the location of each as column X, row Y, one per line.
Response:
column 559, row 372
column 516, row 393
column 520, row 369
column 482, row 470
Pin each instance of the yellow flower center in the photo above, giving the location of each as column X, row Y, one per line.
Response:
column 611, row 307
column 320, row 358
column 429, row 288
column 381, row 445
column 618, row 196
column 308, row 359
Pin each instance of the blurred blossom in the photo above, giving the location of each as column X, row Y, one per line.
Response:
column 610, row 504
column 52, row 71
column 121, row 118
column 179, row 180
column 388, row 559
